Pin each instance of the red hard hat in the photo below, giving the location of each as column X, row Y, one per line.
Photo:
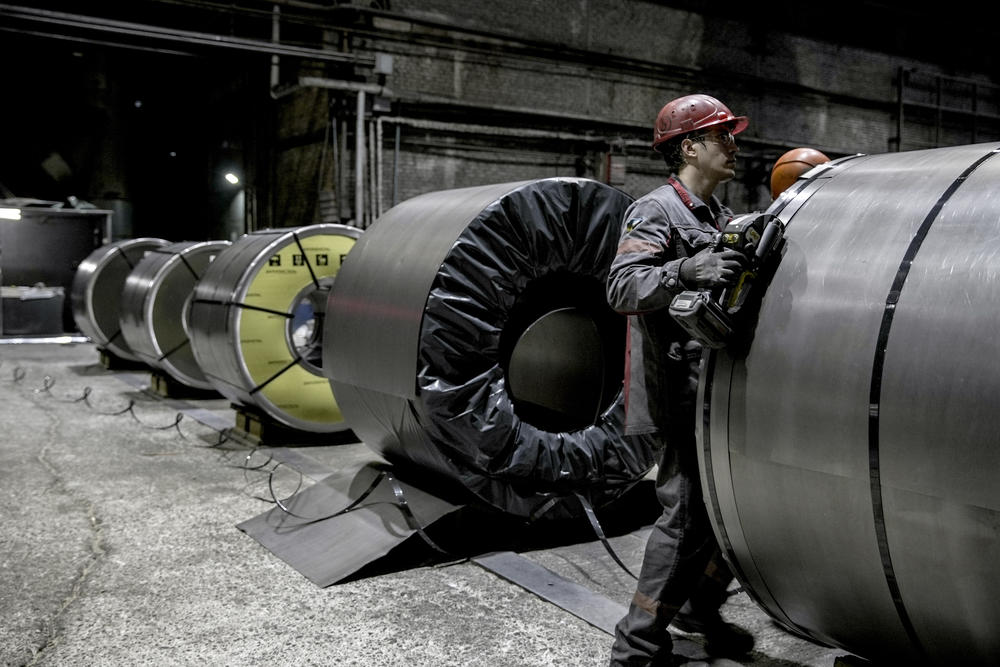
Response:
column 693, row 112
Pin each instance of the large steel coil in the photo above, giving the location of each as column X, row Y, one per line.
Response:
column 97, row 290
column 473, row 342
column 256, row 322
column 154, row 308
column 850, row 454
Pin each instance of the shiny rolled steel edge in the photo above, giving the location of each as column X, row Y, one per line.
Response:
column 219, row 336
column 849, row 457
column 154, row 310
column 95, row 293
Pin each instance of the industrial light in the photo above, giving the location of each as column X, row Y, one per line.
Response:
column 232, row 178
column 10, row 213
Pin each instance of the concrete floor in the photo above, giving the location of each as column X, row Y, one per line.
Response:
column 119, row 546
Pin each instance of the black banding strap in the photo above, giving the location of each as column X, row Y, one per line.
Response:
column 402, row 504
column 382, row 474
column 411, row 519
column 190, row 268
column 588, row 509
column 271, row 379
column 305, row 258
column 294, row 361
column 175, row 348
column 124, row 256
column 875, row 395
column 542, row 509
column 217, row 302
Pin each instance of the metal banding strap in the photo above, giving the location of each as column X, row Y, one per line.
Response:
column 117, row 334
column 411, row 519
column 271, row 379
column 175, row 348
column 305, row 259
column 588, row 509
column 244, row 305
column 201, row 415
column 124, row 256
column 190, row 268
column 875, row 395
column 382, row 474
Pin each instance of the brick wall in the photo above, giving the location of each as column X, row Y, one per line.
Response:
column 514, row 90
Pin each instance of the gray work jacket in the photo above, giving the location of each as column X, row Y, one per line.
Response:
column 659, row 231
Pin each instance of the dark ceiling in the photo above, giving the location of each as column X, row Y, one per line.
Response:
column 177, row 105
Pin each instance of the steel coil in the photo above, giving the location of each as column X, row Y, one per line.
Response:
column 256, row 322
column 154, row 308
column 473, row 342
column 850, row 452
column 96, row 292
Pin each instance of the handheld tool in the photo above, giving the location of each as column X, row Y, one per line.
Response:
column 708, row 314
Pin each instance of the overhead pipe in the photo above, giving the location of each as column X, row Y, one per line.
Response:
column 99, row 24
column 359, row 162
column 372, row 166
column 275, row 38
column 395, row 167
column 378, row 168
column 332, row 84
column 343, row 207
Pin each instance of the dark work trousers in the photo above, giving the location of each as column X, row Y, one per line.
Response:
column 682, row 563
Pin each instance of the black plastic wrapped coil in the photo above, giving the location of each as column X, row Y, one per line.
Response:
column 472, row 340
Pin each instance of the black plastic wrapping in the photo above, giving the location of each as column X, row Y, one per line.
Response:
column 459, row 422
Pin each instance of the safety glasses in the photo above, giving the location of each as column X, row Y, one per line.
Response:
column 724, row 138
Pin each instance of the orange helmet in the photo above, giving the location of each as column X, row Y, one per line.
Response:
column 693, row 112
column 791, row 165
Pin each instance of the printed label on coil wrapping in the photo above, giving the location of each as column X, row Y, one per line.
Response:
column 281, row 280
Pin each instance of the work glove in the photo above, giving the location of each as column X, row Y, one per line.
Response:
column 709, row 268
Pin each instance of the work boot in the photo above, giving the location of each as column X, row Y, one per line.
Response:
column 723, row 640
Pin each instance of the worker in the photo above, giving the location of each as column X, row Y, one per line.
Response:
column 666, row 246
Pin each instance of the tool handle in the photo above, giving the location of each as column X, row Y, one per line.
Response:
column 773, row 231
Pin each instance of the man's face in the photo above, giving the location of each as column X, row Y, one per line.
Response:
column 716, row 153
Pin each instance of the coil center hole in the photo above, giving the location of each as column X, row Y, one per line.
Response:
column 562, row 351
column 305, row 326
